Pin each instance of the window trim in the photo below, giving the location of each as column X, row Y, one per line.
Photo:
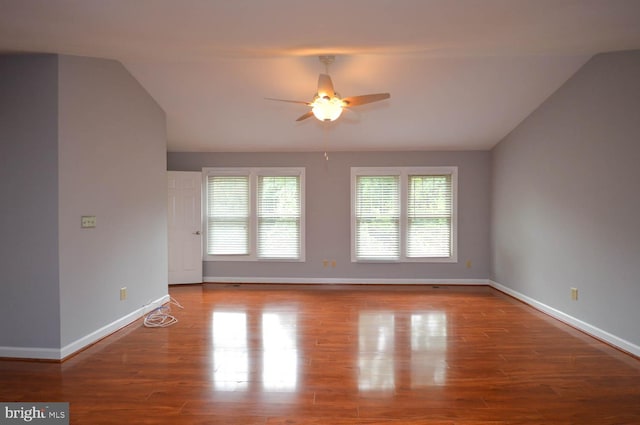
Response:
column 253, row 173
column 403, row 173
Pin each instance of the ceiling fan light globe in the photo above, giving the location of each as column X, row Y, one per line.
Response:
column 325, row 109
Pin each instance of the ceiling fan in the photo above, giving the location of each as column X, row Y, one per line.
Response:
column 327, row 105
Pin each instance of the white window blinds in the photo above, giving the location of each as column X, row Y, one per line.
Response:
column 377, row 210
column 255, row 214
column 404, row 214
column 429, row 212
column 279, row 210
column 228, row 215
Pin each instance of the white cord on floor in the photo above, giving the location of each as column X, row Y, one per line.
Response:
column 161, row 317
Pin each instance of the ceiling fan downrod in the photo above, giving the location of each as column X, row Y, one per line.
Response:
column 327, row 60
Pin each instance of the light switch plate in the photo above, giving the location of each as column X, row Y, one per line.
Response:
column 88, row 221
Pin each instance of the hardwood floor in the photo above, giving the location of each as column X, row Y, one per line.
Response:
column 281, row 355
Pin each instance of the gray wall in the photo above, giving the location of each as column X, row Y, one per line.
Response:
column 79, row 136
column 29, row 286
column 566, row 199
column 112, row 165
column 328, row 214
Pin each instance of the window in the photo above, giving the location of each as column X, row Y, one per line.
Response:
column 404, row 214
column 429, row 213
column 228, row 215
column 278, row 216
column 254, row 214
column 377, row 217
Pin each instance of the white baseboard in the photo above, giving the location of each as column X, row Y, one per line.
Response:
column 35, row 353
column 570, row 320
column 112, row 327
column 77, row 345
column 344, row 281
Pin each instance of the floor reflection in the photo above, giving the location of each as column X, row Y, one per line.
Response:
column 376, row 345
column 230, row 351
column 280, row 351
column 428, row 349
column 265, row 344
column 246, row 345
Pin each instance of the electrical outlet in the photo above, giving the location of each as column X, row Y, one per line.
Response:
column 333, row 264
column 574, row 294
column 325, row 263
column 468, row 264
column 123, row 293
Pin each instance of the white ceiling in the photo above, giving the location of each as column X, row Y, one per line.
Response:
column 461, row 73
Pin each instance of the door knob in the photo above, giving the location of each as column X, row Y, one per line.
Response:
column 197, row 232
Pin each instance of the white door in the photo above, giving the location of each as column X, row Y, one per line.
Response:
column 185, row 227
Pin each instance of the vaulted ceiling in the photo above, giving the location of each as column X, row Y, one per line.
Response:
column 461, row 73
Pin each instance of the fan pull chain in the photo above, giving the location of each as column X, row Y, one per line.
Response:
column 325, row 130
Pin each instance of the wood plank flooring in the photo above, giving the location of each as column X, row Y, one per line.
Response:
column 296, row 354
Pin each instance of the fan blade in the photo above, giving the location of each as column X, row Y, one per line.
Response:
column 290, row 101
column 325, row 86
column 366, row 98
column 305, row 116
